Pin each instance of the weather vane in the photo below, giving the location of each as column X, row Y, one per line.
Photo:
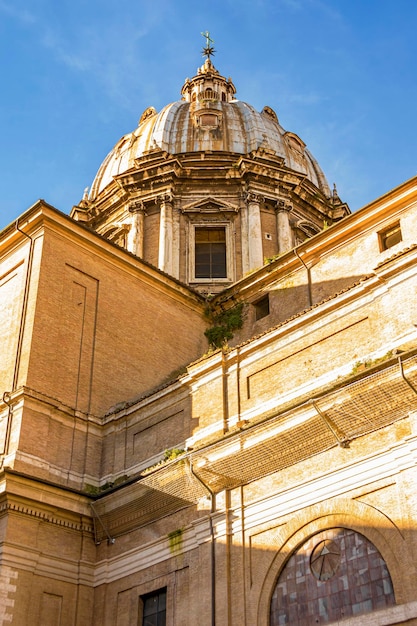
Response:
column 208, row 49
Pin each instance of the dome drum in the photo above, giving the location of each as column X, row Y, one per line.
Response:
column 201, row 189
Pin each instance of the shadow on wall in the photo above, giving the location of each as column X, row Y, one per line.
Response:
column 285, row 301
column 333, row 561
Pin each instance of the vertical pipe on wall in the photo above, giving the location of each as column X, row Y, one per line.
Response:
column 238, row 392
column 90, row 389
column 7, row 394
column 229, row 556
column 225, row 390
column 309, row 287
column 24, row 307
column 212, row 544
column 242, row 509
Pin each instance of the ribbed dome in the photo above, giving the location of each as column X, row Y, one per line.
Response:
column 208, row 118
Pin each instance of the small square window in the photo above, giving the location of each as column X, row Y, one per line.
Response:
column 261, row 307
column 154, row 608
column 390, row 237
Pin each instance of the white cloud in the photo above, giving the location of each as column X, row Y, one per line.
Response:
column 109, row 56
column 21, row 15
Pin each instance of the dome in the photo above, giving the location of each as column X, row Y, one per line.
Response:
column 208, row 118
column 209, row 188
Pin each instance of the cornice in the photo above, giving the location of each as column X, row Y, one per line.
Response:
column 42, row 218
column 45, row 501
column 85, row 525
column 28, row 395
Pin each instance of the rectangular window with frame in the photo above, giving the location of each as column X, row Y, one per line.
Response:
column 390, row 236
column 154, row 608
column 210, row 252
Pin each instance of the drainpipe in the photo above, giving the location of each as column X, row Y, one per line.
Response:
column 239, row 400
column 409, row 383
column 213, row 545
column 243, row 522
column 225, row 399
column 310, row 296
column 7, row 394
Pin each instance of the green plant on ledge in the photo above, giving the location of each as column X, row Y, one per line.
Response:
column 169, row 455
column 223, row 325
column 360, row 366
column 173, row 453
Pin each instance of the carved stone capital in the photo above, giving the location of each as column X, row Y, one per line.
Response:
column 254, row 197
column 164, row 198
column 283, row 206
column 136, row 206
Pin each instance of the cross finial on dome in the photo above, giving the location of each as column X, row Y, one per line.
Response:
column 208, row 49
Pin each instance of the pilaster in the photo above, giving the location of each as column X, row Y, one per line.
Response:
column 165, row 233
column 285, row 237
column 254, row 230
column 135, row 242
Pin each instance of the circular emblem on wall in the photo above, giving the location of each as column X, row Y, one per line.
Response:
column 325, row 559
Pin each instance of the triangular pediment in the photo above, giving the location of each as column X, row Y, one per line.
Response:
column 209, row 205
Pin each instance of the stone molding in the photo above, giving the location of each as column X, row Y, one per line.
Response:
column 7, row 507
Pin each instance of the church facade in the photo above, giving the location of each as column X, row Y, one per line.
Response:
column 208, row 378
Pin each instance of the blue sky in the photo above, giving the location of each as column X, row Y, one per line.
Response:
column 76, row 76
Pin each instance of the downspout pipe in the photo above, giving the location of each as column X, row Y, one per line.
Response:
column 7, row 394
column 225, row 392
column 309, row 289
column 212, row 543
column 408, row 382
